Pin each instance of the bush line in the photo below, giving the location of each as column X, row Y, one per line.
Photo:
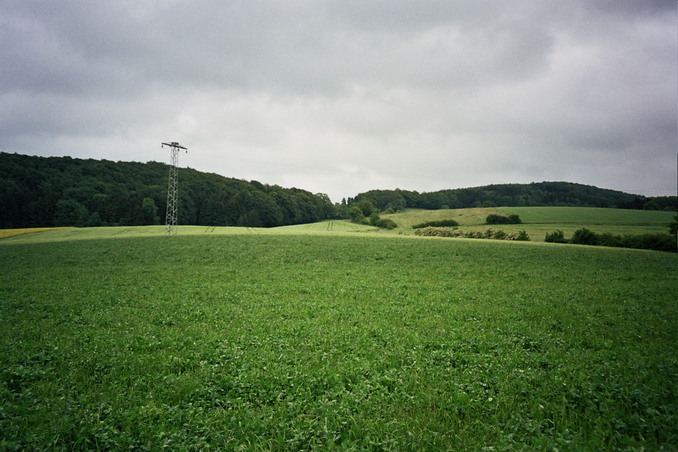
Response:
column 583, row 236
column 522, row 236
column 436, row 223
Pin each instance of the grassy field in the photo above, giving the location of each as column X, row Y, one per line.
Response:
column 243, row 339
column 538, row 221
column 5, row 233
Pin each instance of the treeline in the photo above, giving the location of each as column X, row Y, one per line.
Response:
column 583, row 236
column 63, row 191
column 514, row 195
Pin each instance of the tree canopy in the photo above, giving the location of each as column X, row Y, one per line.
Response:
column 62, row 191
column 513, row 195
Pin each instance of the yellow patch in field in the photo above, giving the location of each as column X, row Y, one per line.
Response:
column 4, row 233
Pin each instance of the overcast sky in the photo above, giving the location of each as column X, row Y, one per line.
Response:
column 345, row 96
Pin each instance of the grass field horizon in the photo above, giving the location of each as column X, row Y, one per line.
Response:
column 537, row 221
column 332, row 336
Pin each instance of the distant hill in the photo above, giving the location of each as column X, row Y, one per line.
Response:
column 63, row 191
column 513, row 195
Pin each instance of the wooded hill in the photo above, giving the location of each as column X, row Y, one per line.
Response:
column 63, row 191
column 514, row 195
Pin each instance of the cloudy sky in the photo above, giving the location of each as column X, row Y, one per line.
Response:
column 343, row 96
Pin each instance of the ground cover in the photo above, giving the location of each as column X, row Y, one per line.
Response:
column 333, row 227
column 349, row 341
column 538, row 221
column 5, row 233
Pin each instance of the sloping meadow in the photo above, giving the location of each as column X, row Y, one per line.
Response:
column 353, row 342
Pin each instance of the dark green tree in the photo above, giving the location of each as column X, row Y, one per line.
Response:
column 70, row 212
column 150, row 211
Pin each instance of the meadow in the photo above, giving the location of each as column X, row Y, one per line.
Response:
column 299, row 339
column 538, row 221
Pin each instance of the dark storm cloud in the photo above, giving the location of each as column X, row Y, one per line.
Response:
column 346, row 96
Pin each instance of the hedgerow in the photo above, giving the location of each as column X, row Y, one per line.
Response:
column 488, row 234
column 501, row 219
column 436, row 223
column 583, row 236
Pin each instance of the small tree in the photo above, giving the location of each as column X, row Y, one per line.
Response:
column 366, row 207
column 514, row 219
column 386, row 223
column 356, row 215
column 584, row 236
column 523, row 236
column 70, row 212
column 555, row 237
column 150, row 211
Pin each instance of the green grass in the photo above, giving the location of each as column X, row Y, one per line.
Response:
column 538, row 221
column 5, row 233
column 239, row 339
column 333, row 227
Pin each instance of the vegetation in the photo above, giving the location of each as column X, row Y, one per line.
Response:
column 501, row 219
column 498, row 234
column 4, row 233
column 534, row 194
column 436, row 223
column 584, row 236
column 348, row 342
column 540, row 221
column 673, row 226
column 555, row 237
column 61, row 191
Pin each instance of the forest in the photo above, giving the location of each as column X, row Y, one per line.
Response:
column 515, row 195
column 65, row 191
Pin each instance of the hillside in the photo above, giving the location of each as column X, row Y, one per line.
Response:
column 62, row 191
column 534, row 194
column 538, row 221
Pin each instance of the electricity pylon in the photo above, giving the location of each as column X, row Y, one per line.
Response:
column 172, row 188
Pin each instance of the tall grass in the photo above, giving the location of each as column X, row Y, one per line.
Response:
column 299, row 342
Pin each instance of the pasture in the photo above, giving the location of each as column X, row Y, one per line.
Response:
column 298, row 339
column 537, row 221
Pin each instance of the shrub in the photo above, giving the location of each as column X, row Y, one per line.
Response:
column 499, row 235
column 500, row 219
column 609, row 239
column 496, row 219
column 436, row 223
column 386, row 223
column 514, row 219
column 555, row 237
column 434, row 232
column 657, row 242
column 356, row 215
column 584, row 236
column 523, row 236
column 673, row 226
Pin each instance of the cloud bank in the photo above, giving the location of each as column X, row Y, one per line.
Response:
column 343, row 97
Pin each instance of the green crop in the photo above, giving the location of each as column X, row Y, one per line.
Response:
column 276, row 341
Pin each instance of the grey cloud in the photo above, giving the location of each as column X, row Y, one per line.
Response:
column 420, row 95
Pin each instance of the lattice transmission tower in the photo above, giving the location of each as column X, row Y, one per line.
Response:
column 173, row 188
